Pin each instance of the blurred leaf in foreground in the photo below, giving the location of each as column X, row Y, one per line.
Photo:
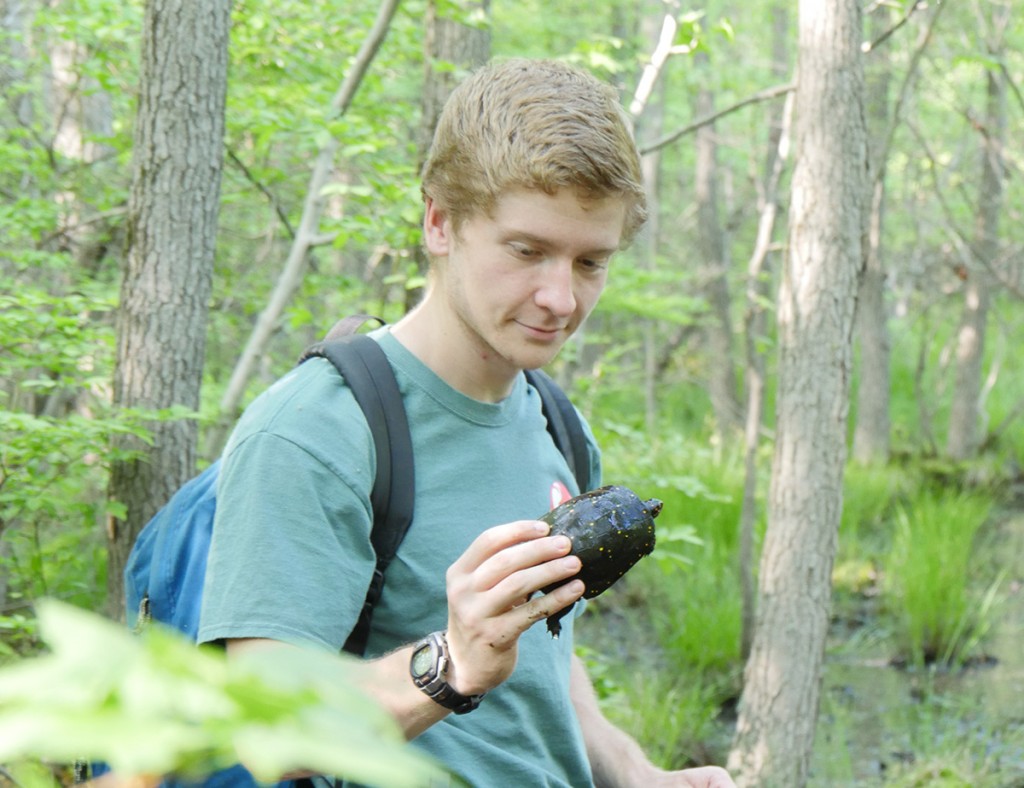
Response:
column 155, row 704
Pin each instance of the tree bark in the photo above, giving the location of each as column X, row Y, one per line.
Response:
column 658, row 25
column 964, row 436
column 782, row 680
column 714, row 251
column 871, row 431
column 14, row 22
column 172, row 226
column 754, row 331
column 451, row 49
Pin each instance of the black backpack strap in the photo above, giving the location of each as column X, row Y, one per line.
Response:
column 366, row 370
column 346, row 327
column 564, row 425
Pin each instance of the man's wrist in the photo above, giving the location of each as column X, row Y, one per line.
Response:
column 431, row 666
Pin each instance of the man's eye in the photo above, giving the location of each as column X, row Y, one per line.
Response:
column 526, row 252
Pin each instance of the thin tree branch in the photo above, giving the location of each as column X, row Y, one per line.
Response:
column 308, row 233
column 921, row 4
column 997, row 432
column 959, row 238
column 764, row 95
column 113, row 213
column 1013, row 85
column 662, row 50
column 263, row 190
column 882, row 156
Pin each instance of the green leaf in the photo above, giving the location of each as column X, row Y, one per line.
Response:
column 155, row 704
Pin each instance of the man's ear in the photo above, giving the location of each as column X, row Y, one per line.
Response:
column 437, row 230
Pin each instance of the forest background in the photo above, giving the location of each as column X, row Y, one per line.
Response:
column 314, row 214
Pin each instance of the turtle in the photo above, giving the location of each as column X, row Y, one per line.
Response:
column 611, row 528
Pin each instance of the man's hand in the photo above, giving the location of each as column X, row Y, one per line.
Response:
column 700, row 777
column 491, row 600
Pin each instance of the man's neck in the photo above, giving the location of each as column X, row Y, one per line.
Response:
column 443, row 346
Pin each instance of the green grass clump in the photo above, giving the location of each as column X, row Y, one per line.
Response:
column 928, row 579
column 673, row 713
column 869, row 493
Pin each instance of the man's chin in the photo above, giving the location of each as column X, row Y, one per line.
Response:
column 539, row 358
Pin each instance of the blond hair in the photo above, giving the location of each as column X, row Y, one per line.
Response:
column 535, row 124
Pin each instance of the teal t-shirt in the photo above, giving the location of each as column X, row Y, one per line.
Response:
column 291, row 557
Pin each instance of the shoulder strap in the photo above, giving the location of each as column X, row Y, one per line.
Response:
column 365, row 367
column 360, row 360
column 564, row 425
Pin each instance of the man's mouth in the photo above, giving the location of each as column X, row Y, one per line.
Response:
column 543, row 332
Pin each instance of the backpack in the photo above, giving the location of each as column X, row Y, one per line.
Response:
column 165, row 572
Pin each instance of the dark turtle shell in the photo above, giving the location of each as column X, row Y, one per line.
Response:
column 611, row 529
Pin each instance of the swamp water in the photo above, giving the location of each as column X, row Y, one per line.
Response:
column 876, row 719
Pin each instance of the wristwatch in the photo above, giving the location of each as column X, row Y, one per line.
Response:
column 429, row 670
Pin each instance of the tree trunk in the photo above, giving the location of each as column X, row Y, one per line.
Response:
column 451, row 49
column 14, row 55
column 714, row 252
column 658, row 25
column 83, row 114
column 754, row 332
column 871, row 433
column 779, row 705
column 964, row 435
column 172, row 227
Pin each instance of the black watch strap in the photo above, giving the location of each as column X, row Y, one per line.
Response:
column 429, row 668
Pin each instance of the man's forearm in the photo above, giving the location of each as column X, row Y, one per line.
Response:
column 385, row 679
column 616, row 760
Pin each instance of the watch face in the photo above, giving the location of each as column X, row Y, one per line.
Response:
column 422, row 660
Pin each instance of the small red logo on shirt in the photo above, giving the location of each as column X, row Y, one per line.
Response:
column 559, row 494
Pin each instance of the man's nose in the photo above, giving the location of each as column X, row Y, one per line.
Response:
column 555, row 292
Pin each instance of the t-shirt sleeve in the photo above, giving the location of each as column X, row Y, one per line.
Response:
column 290, row 557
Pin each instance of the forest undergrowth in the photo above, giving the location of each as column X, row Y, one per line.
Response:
column 921, row 579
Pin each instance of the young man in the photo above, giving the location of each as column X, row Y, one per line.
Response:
column 533, row 182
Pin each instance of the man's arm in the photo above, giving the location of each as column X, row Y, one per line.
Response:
column 490, row 604
column 616, row 760
column 385, row 679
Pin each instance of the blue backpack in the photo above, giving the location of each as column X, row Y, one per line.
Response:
column 166, row 569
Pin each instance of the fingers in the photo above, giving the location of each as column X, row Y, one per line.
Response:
column 492, row 597
column 548, row 604
column 506, row 565
column 499, row 538
column 707, row 777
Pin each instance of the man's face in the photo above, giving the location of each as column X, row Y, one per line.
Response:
column 520, row 281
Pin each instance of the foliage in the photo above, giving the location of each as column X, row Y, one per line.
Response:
column 669, row 638
column 869, row 494
column 156, row 704
column 55, row 431
column 287, row 62
column 672, row 711
column 928, row 574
